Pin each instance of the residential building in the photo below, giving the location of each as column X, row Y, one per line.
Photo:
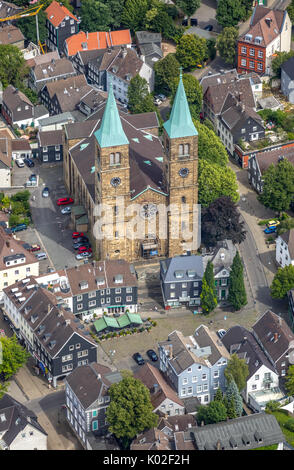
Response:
column 20, row 149
column 5, row 159
column 87, row 399
column 50, row 146
column 57, row 121
column 43, row 58
column 18, row 110
column 10, row 34
column 19, row 427
column 108, row 286
column 149, row 46
column 15, row 262
column 181, row 280
column 52, row 335
column 163, row 398
column 262, row 383
column 285, row 249
column 248, row 432
column 134, row 167
column 194, row 365
column 222, row 257
column 223, row 77
column 276, row 340
column 8, row 9
column 60, row 24
column 152, row 439
column 259, row 162
column 287, row 79
column 50, row 72
column 96, row 40
column 269, row 32
column 82, row 59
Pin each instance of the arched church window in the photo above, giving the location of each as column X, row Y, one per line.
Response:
column 184, row 150
column 114, row 158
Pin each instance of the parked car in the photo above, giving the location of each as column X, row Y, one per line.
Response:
column 139, row 359
column 81, row 239
column 270, row 230
column 84, row 255
column 208, row 27
column 161, row 97
column 41, row 256
column 33, row 178
column 194, row 22
column 221, row 333
column 63, row 201
column 66, row 210
column 45, row 192
column 29, row 162
column 35, row 248
column 157, row 101
column 273, row 223
column 83, row 248
column 77, row 234
column 20, row 162
column 152, row 355
column 18, row 228
column 77, row 245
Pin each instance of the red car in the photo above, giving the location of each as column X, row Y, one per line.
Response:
column 35, row 248
column 64, row 201
column 81, row 249
column 77, row 234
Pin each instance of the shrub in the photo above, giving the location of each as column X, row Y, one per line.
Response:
column 154, row 323
column 102, row 336
column 108, row 335
column 272, row 406
column 290, row 424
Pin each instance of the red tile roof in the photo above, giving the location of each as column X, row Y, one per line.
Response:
column 97, row 40
column 56, row 13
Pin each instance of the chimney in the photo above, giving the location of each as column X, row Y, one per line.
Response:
column 244, row 339
column 202, row 423
column 275, row 337
column 7, row 244
column 67, row 322
column 170, row 351
column 218, row 445
column 280, row 320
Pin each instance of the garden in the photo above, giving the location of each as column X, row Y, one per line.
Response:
column 17, row 206
column 102, row 336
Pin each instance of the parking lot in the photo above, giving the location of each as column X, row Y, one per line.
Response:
column 51, row 229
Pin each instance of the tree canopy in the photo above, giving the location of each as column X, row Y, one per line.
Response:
column 207, row 298
column 234, row 397
column 210, row 147
column 283, row 282
column 214, row 182
column 226, row 44
column 279, row 60
column 13, row 356
column 238, row 370
column 13, row 68
column 139, row 98
column 134, row 13
column 27, row 26
column 191, row 50
column 230, row 12
column 214, row 412
column 130, row 411
column 96, row 16
column 237, row 292
column 193, row 92
column 289, row 382
column 278, row 186
column 290, row 11
column 166, row 72
column 188, row 6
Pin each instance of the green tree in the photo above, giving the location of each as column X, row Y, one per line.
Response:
column 289, row 382
column 159, row 18
column 226, row 44
column 13, row 356
column 193, row 92
column 218, row 395
column 230, row 407
column 116, row 7
column 3, row 388
column 237, row 292
column 207, row 297
column 166, row 72
column 215, row 181
column 285, row 225
column 191, row 50
column 238, row 369
column 272, row 405
column 234, row 399
column 214, row 412
column 279, row 60
column 210, row 147
column 208, row 274
column 230, row 12
column 130, row 411
column 139, row 98
column 188, row 6
column 13, row 68
column 278, row 186
column 290, row 11
column 27, row 26
column 211, row 48
column 96, row 16
column 134, row 13
column 283, row 281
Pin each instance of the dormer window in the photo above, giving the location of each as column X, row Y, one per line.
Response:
column 179, row 274
column 248, row 37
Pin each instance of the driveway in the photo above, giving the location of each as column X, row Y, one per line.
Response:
column 206, row 15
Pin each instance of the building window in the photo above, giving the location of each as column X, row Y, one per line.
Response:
column 260, row 54
column 243, row 62
column 243, row 50
column 129, row 298
column 185, row 381
column 254, row 387
column 259, row 66
column 199, row 388
column 184, row 150
column 251, row 64
column 129, row 290
column 189, row 390
column 251, row 52
column 114, row 158
column 183, row 392
column 57, row 156
column 204, row 376
column 95, row 425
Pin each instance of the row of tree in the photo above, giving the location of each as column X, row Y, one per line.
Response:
column 13, row 358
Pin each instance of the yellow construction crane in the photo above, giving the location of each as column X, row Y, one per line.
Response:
column 33, row 11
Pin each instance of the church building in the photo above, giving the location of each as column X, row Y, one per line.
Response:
column 139, row 189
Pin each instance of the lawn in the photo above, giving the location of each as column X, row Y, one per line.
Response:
column 282, row 417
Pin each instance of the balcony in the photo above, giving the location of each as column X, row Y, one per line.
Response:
column 268, row 380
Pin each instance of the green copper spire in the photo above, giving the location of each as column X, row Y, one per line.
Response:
column 180, row 123
column 111, row 133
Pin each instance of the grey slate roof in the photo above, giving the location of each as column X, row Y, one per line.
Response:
column 147, row 37
column 204, row 338
column 57, row 118
column 16, row 418
column 258, row 430
column 288, row 68
column 184, row 264
column 222, row 257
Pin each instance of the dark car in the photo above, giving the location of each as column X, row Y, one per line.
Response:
column 152, row 355
column 208, row 27
column 45, row 192
column 77, row 245
column 29, row 162
column 18, row 228
column 81, row 239
column 139, row 359
column 33, row 178
column 194, row 22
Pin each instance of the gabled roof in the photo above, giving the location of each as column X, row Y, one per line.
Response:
column 147, row 37
column 125, row 65
column 204, row 338
column 54, row 68
column 265, row 24
column 274, row 334
column 265, row 159
column 9, row 247
column 111, row 132
column 13, row 97
column 288, row 68
column 152, row 439
column 10, row 34
column 48, row 138
column 180, row 123
column 229, row 76
column 97, row 40
column 288, row 238
column 56, row 13
column 216, row 95
column 191, row 268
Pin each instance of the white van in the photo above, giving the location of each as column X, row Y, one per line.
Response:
column 41, row 256
column 20, row 162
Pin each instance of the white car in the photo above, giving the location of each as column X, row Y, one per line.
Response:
column 20, row 162
column 84, row 255
column 162, row 97
column 66, row 210
column 221, row 333
column 157, row 102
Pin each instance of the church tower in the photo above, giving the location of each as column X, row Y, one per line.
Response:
column 181, row 171
column 112, row 180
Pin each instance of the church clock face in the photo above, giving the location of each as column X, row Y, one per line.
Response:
column 115, row 181
column 184, row 172
column 148, row 211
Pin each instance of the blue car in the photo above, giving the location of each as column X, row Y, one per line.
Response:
column 270, row 230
